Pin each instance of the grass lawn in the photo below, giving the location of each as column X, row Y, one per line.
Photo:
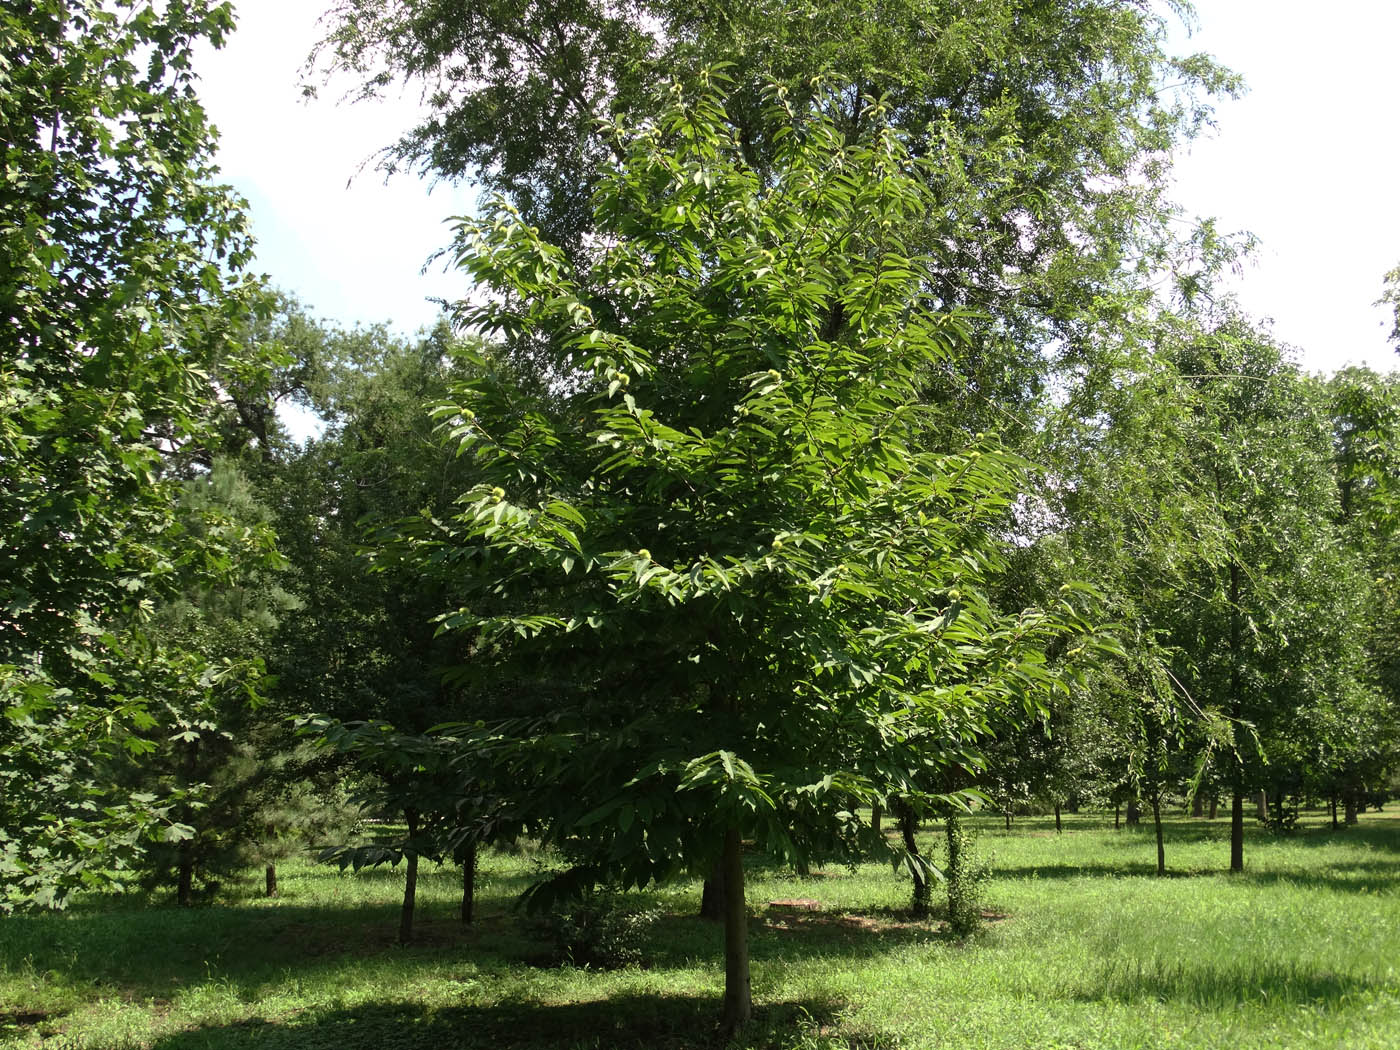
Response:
column 1088, row 950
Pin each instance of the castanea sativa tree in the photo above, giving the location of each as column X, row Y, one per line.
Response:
column 715, row 539
column 120, row 289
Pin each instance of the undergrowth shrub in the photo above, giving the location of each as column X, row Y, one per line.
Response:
column 603, row 930
column 967, row 877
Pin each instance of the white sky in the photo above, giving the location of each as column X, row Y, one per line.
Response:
column 1308, row 161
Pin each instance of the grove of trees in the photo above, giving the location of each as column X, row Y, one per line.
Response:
column 837, row 421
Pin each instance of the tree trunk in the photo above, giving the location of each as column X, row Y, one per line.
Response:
column 184, row 852
column 1237, row 829
column 1214, row 802
column 738, row 998
column 1332, row 807
column 1157, row 826
column 712, row 895
column 270, row 881
column 877, row 816
column 908, row 825
column 410, row 886
column 1057, row 818
column 469, row 883
column 184, row 884
column 1134, row 812
column 1262, row 804
column 1350, row 808
column 1117, row 816
column 1008, row 816
column 1198, row 805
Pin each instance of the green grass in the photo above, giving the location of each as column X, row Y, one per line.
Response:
column 1089, row 951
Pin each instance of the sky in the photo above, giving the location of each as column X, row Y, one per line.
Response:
column 1308, row 161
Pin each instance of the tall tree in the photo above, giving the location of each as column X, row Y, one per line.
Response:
column 1274, row 635
column 119, row 262
column 716, row 542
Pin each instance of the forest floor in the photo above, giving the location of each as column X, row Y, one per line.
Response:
column 1084, row 949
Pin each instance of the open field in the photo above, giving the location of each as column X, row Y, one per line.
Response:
column 1089, row 951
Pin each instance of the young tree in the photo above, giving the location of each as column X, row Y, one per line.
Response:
column 118, row 282
column 713, row 537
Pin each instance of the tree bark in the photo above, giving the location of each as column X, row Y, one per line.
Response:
column 877, row 816
column 1157, row 826
column 712, row 894
column 1262, row 805
column 1008, row 816
column 1134, row 812
column 1350, row 809
column 410, row 886
column 908, row 825
column 469, row 883
column 1214, row 802
column 1332, row 808
column 1198, row 805
column 184, row 882
column 1117, row 816
column 270, row 881
column 1237, row 829
column 738, row 998
column 1236, row 711
column 1057, row 818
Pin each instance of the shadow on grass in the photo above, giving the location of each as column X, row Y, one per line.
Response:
column 643, row 1022
column 1216, row 987
column 158, row 953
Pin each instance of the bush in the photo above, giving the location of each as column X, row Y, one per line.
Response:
column 602, row 930
column 967, row 878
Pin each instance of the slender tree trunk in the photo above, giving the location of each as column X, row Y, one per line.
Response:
column 1198, row 805
column 1237, row 829
column 1008, row 816
column 1058, row 829
column 184, row 883
column 410, row 886
column 1262, row 805
column 1214, row 802
column 738, row 998
column 955, row 867
column 1350, row 808
column 184, row 852
column 270, row 881
column 908, row 825
column 877, row 817
column 712, row 894
column 1236, row 710
column 1117, row 816
column 1332, row 806
column 469, row 883
column 1134, row 812
column 1157, row 826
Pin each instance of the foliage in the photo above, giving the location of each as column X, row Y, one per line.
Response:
column 602, row 929
column 968, row 877
column 716, row 543
column 118, row 279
